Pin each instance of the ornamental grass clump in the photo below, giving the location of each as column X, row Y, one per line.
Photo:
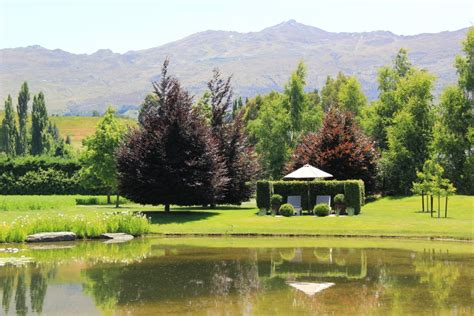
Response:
column 83, row 226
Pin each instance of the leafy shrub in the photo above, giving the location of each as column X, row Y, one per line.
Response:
column 95, row 200
column 87, row 201
column 321, row 209
column 287, row 210
column 339, row 199
column 276, row 201
column 263, row 194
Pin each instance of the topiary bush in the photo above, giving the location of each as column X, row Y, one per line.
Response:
column 354, row 194
column 287, row 210
column 263, row 194
column 339, row 199
column 276, row 200
column 322, row 209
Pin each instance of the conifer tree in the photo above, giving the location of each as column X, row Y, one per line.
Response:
column 10, row 133
column 22, row 109
column 40, row 135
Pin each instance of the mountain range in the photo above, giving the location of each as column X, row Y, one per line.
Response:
column 259, row 62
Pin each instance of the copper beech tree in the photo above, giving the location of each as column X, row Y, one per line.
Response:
column 172, row 157
column 339, row 148
column 240, row 163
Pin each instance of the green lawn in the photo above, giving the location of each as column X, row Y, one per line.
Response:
column 385, row 217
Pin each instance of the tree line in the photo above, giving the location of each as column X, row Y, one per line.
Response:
column 211, row 150
column 21, row 135
column 388, row 141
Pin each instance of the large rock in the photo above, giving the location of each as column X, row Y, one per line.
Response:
column 116, row 237
column 51, row 236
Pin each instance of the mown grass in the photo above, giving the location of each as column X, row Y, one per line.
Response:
column 394, row 217
column 90, row 226
column 384, row 217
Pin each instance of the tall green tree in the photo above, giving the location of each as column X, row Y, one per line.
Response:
column 295, row 99
column 9, row 130
column 351, row 98
column 454, row 130
column 99, row 157
column 40, row 137
column 388, row 105
column 410, row 133
column 271, row 131
column 330, row 91
column 22, row 109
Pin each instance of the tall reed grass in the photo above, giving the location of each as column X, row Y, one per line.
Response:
column 90, row 226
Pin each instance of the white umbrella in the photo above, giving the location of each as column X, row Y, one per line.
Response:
column 307, row 172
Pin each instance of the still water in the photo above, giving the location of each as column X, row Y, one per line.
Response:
column 204, row 276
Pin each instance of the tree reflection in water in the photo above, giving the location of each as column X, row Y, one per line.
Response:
column 176, row 280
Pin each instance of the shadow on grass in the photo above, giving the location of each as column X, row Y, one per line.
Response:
column 177, row 217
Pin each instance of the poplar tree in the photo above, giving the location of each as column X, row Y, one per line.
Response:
column 10, row 133
column 40, row 134
column 22, row 109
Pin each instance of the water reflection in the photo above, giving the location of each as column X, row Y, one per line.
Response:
column 144, row 278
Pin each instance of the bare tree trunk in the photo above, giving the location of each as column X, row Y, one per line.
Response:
column 117, row 201
column 108, row 199
column 167, row 208
column 439, row 206
column 446, row 208
column 422, row 202
column 431, row 209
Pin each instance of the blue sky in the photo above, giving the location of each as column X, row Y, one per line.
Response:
column 85, row 26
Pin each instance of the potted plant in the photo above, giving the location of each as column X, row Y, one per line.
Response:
column 275, row 201
column 340, row 203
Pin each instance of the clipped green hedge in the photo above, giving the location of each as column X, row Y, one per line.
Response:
column 353, row 191
column 287, row 188
column 354, row 194
column 328, row 187
column 38, row 175
column 264, row 192
column 19, row 166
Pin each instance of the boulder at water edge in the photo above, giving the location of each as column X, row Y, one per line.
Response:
column 52, row 236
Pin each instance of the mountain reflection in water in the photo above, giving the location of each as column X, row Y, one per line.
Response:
column 145, row 277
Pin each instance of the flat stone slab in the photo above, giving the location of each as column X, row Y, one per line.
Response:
column 51, row 236
column 310, row 288
column 116, row 237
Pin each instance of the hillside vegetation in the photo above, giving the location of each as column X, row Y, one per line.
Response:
column 78, row 127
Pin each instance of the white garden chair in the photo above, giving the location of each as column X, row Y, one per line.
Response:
column 295, row 200
column 323, row 199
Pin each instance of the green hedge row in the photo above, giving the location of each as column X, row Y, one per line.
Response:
column 353, row 191
column 42, row 176
column 19, row 166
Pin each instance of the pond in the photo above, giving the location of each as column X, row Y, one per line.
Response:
column 239, row 276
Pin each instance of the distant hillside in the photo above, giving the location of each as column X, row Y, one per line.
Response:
column 260, row 61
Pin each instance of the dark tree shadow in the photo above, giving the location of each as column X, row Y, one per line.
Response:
column 174, row 217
